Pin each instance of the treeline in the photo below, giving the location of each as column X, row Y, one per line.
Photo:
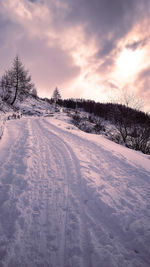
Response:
column 108, row 111
column 133, row 126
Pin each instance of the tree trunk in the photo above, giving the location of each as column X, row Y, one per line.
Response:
column 16, row 91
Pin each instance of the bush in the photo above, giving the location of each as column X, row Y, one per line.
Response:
column 99, row 127
column 139, row 138
column 76, row 118
column 115, row 137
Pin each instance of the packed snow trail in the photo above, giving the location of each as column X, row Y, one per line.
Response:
column 67, row 201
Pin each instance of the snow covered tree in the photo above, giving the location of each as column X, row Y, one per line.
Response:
column 56, row 95
column 16, row 82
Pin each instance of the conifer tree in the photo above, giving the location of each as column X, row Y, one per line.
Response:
column 56, row 95
column 16, row 82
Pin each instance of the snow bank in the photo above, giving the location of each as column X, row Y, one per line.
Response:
column 7, row 116
column 133, row 157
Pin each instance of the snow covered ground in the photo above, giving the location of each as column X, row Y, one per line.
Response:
column 71, row 199
column 4, row 117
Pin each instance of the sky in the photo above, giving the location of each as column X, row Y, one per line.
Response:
column 93, row 49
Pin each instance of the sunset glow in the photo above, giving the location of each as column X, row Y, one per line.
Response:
column 79, row 46
column 129, row 63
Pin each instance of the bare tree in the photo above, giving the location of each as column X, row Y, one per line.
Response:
column 16, row 82
column 128, row 98
column 140, row 138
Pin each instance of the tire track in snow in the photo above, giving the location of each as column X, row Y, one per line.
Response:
column 50, row 165
column 76, row 245
column 118, row 216
column 93, row 215
column 47, row 227
column 55, row 217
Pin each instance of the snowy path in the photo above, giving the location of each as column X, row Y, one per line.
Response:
column 66, row 201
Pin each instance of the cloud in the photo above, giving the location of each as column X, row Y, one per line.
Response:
column 61, row 41
column 136, row 44
column 9, row 34
column 143, row 82
column 106, row 66
column 107, row 20
column 32, row 1
column 50, row 65
column 38, row 45
column 143, row 79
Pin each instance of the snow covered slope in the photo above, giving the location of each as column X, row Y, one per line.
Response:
column 34, row 106
column 71, row 199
